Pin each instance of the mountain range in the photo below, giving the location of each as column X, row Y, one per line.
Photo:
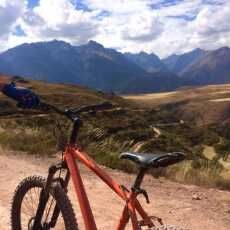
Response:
column 177, row 63
column 104, row 69
column 149, row 62
column 213, row 68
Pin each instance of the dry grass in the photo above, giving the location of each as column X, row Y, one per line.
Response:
column 220, row 99
column 195, row 104
column 188, row 93
column 149, row 96
column 209, row 152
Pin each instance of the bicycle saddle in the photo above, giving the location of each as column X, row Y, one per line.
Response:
column 154, row 160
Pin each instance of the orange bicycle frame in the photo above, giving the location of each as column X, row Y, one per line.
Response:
column 132, row 205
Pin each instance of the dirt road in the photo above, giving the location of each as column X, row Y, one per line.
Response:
column 182, row 205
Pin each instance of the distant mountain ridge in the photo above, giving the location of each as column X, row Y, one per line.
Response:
column 89, row 65
column 58, row 61
column 105, row 69
column 170, row 61
column 177, row 63
column 149, row 62
column 213, row 68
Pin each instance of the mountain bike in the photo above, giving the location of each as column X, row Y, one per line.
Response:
column 42, row 203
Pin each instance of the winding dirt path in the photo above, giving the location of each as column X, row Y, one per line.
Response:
column 182, row 205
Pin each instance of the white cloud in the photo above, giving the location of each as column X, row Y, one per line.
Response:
column 10, row 12
column 142, row 28
column 59, row 19
column 211, row 28
column 155, row 26
column 128, row 23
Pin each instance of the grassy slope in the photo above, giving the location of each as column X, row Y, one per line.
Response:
column 106, row 134
column 201, row 105
column 206, row 111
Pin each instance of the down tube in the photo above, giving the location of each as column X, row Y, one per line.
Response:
column 124, row 218
column 81, row 193
column 131, row 206
column 129, row 213
column 91, row 164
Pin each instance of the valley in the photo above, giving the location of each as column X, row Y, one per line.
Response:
column 186, row 120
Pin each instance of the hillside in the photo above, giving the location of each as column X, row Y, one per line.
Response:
column 202, row 105
column 177, row 63
column 89, row 65
column 149, row 62
column 128, row 126
column 170, row 61
column 206, row 108
column 213, row 68
column 158, row 82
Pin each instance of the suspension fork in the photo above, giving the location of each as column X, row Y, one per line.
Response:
column 57, row 209
column 44, row 195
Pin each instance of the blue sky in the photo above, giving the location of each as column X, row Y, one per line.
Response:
column 32, row 3
column 80, row 5
column 160, row 26
column 19, row 31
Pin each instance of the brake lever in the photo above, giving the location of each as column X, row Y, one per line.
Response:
column 72, row 115
column 93, row 112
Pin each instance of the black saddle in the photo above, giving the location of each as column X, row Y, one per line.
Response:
column 154, row 160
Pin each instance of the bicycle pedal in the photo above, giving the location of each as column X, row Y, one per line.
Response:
column 157, row 219
column 142, row 223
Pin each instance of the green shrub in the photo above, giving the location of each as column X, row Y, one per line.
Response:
column 36, row 143
column 223, row 148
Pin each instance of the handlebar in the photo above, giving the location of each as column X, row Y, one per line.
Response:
column 72, row 113
column 97, row 107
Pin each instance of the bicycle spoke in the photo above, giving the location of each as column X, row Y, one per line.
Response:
column 37, row 193
column 32, row 202
column 25, row 212
column 28, row 204
column 48, row 209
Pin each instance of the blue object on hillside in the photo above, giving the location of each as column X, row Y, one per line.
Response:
column 25, row 97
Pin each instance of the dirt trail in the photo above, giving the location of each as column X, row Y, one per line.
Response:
column 177, row 204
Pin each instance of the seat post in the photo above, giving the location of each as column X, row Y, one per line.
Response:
column 139, row 178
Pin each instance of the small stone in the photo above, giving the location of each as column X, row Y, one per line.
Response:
column 195, row 197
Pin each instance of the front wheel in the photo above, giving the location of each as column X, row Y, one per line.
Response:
column 25, row 204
